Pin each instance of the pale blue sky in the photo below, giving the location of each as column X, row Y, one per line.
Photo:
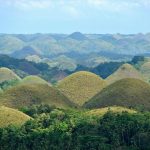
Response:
column 67, row 16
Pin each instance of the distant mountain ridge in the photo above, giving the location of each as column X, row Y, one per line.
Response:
column 24, row 52
column 50, row 44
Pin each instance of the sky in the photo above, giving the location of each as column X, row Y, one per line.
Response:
column 67, row 16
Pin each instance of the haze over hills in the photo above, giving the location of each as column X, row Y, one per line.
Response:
column 54, row 44
column 25, row 52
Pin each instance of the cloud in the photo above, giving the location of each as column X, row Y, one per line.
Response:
column 72, row 11
column 119, row 5
column 27, row 4
column 75, row 6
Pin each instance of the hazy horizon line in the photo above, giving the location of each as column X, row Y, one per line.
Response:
column 115, row 33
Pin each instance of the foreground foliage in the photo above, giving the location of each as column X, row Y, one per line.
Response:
column 57, row 129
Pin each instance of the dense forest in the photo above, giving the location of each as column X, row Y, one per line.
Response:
column 57, row 129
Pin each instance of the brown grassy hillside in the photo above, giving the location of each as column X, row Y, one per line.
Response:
column 115, row 109
column 9, row 116
column 145, row 70
column 81, row 86
column 126, row 92
column 6, row 75
column 32, row 79
column 33, row 94
column 125, row 71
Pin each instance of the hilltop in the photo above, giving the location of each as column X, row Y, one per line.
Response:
column 145, row 70
column 81, row 86
column 9, row 116
column 125, row 71
column 24, row 52
column 33, row 80
column 33, row 94
column 114, row 109
column 7, row 74
column 78, row 36
column 128, row 92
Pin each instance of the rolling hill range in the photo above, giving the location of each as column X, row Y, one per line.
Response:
column 33, row 94
column 126, row 92
column 7, row 74
column 81, row 86
column 125, row 71
column 50, row 44
column 9, row 116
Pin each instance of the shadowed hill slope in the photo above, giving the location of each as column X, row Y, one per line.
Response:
column 125, row 71
column 81, row 86
column 9, row 116
column 126, row 92
column 33, row 94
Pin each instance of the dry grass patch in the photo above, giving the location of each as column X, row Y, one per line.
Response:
column 125, row 71
column 6, row 75
column 32, row 79
column 33, row 94
column 9, row 116
column 126, row 92
column 145, row 70
column 81, row 86
column 115, row 109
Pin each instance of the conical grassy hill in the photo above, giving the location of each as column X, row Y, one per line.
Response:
column 32, row 79
column 9, row 116
column 145, row 70
column 81, row 86
column 7, row 75
column 131, row 93
column 33, row 94
column 125, row 71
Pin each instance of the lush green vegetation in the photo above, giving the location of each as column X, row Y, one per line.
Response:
column 57, row 129
column 106, row 69
column 8, row 84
